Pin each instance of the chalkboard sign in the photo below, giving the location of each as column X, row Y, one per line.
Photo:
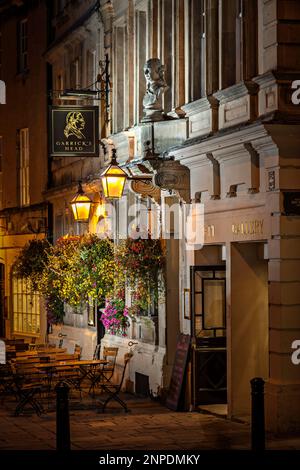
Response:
column 178, row 373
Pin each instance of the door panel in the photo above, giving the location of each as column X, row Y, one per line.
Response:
column 209, row 334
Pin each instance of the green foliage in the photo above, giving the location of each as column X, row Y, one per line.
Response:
column 78, row 269
column 31, row 261
column 143, row 262
column 73, row 271
column 96, row 268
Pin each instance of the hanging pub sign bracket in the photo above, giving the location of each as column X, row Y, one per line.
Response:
column 74, row 131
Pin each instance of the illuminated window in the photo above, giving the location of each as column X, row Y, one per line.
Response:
column 23, row 135
column 1, row 54
column 26, row 308
column 1, row 178
column 23, row 45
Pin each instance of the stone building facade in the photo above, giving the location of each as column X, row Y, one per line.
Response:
column 23, row 150
column 233, row 131
column 73, row 55
column 229, row 69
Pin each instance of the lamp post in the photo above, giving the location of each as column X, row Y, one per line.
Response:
column 81, row 205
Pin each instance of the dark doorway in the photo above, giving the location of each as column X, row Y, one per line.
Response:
column 209, row 361
column 142, row 385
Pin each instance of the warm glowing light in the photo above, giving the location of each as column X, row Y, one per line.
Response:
column 81, row 205
column 101, row 210
column 113, row 179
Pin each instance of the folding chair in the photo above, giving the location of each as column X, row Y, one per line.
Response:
column 6, row 381
column 78, row 350
column 107, row 371
column 28, row 383
column 110, row 355
column 96, row 354
column 114, row 390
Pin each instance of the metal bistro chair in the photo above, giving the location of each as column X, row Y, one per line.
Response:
column 113, row 390
column 6, row 381
column 107, row 371
column 110, row 355
column 29, row 382
column 78, row 350
column 96, row 354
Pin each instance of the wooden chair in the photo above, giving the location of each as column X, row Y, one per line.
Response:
column 110, row 355
column 29, row 382
column 68, row 374
column 113, row 390
column 78, row 350
column 6, row 381
column 106, row 372
column 25, row 354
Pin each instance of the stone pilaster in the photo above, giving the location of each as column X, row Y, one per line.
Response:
column 283, row 387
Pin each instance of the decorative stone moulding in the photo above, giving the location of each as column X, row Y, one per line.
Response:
column 239, row 165
column 237, row 104
column 203, row 116
column 275, row 95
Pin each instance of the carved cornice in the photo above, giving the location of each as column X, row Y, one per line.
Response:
column 275, row 77
column 250, row 133
column 201, row 105
column 236, row 91
column 231, row 153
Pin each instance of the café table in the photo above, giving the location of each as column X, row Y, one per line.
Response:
column 88, row 369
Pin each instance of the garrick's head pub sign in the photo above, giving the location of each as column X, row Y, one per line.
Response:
column 74, row 131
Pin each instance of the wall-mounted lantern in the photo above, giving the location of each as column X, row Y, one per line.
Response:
column 113, row 179
column 81, row 205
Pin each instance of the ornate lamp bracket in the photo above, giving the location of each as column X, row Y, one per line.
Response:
column 171, row 175
column 146, row 188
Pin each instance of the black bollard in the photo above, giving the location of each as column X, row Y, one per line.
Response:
column 258, row 415
column 62, row 417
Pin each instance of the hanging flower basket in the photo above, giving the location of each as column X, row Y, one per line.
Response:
column 115, row 317
column 31, row 262
column 143, row 262
column 141, row 259
column 73, row 271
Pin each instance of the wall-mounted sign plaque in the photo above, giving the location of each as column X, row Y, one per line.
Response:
column 291, row 202
column 74, row 131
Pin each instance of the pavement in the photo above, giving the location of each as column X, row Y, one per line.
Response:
column 148, row 426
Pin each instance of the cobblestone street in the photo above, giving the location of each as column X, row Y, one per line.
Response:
column 148, row 426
